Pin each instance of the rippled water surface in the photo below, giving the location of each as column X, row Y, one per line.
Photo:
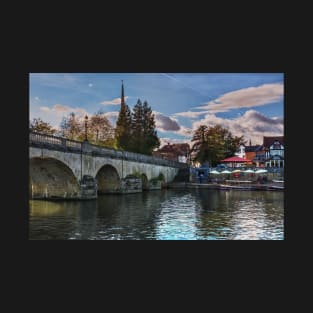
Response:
column 162, row 214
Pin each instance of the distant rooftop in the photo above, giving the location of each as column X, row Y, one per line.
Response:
column 253, row 148
column 268, row 141
column 178, row 147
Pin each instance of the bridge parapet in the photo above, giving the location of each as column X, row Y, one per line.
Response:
column 58, row 143
column 53, row 142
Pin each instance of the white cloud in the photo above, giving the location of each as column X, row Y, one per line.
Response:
column 61, row 109
column 55, row 114
column 246, row 98
column 45, row 109
column 165, row 140
column 112, row 117
column 165, row 123
column 190, row 114
column 115, row 101
column 252, row 125
column 111, row 114
column 37, row 98
column 184, row 131
column 90, row 85
column 170, row 124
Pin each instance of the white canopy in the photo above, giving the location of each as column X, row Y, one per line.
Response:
column 236, row 171
column 249, row 171
column 260, row 171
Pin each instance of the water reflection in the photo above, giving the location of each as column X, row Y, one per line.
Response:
column 177, row 218
column 86, row 220
column 162, row 214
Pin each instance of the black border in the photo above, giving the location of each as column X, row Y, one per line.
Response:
column 167, row 54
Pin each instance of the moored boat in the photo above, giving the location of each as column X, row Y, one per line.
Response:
column 232, row 187
column 275, row 188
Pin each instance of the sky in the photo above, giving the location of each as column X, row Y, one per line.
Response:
column 248, row 104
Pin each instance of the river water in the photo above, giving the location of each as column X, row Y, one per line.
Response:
column 162, row 215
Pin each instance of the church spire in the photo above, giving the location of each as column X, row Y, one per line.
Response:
column 122, row 96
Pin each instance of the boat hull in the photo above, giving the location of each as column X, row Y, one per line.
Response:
column 230, row 187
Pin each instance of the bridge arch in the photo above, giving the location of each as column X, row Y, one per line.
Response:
column 51, row 178
column 108, row 180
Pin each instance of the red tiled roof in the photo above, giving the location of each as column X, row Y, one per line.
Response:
column 268, row 141
column 179, row 148
column 172, row 152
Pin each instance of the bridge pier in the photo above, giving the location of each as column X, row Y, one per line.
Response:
column 88, row 188
column 131, row 185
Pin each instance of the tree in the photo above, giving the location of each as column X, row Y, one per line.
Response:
column 152, row 140
column 38, row 125
column 71, row 127
column 100, row 130
column 199, row 148
column 232, row 144
column 215, row 138
column 144, row 135
column 213, row 144
column 123, row 130
column 137, row 140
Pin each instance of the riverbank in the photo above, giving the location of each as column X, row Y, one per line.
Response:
column 257, row 187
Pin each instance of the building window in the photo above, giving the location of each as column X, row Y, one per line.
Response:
column 277, row 152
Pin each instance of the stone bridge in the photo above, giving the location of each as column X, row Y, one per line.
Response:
column 69, row 169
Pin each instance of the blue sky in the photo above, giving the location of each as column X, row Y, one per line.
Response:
column 249, row 104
